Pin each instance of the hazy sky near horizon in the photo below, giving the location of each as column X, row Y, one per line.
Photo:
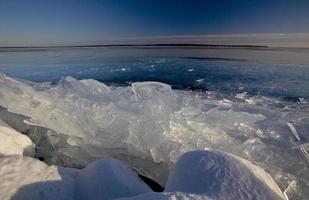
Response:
column 69, row 22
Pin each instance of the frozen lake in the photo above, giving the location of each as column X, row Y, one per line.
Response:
column 258, row 71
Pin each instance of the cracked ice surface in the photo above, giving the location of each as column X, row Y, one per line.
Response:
column 150, row 125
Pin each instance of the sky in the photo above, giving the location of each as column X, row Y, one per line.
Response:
column 70, row 22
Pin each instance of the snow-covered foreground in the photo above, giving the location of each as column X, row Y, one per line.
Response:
column 149, row 125
column 197, row 175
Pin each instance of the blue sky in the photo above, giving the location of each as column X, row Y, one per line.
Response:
column 48, row 22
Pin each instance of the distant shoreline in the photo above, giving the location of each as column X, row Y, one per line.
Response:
column 254, row 53
column 139, row 45
column 158, row 45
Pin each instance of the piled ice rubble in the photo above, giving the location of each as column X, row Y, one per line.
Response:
column 149, row 125
column 198, row 175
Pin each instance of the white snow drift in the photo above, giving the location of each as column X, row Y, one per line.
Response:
column 198, row 175
column 108, row 179
column 221, row 176
column 24, row 178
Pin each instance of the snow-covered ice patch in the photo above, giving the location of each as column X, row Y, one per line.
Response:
column 198, row 175
column 108, row 179
column 24, row 178
column 221, row 176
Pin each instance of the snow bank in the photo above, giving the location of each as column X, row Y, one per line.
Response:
column 24, row 178
column 13, row 142
column 198, row 175
column 221, row 176
column 108, row 179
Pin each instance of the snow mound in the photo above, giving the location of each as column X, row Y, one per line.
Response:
column 198, row 175
column 24, row 178
column 13, row 142
column 108, row 179
column 221, row 176
column 212, row 175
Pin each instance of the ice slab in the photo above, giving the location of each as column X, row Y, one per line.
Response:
column 13, row 142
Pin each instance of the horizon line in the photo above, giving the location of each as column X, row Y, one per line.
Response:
column 236, row 39
column 142, row 45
